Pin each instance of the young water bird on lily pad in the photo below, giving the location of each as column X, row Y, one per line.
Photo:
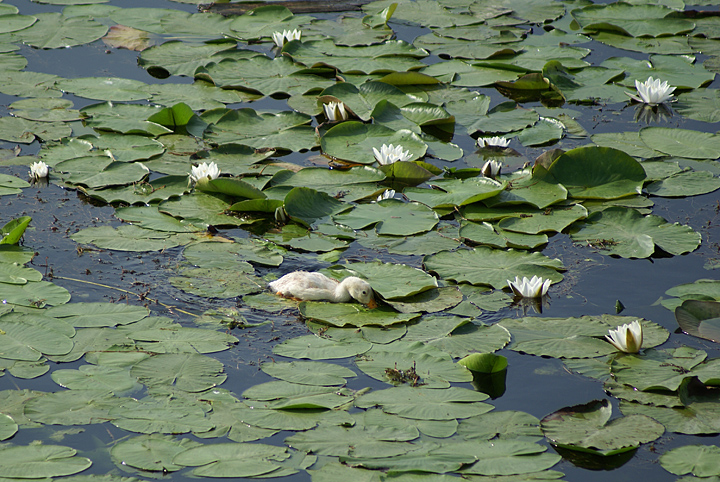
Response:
column 312, row 286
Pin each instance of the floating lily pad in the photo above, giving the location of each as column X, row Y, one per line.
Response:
column 91, row 377
column 23, row 341
column 225, row 255
column 699, row 415
column 458, row 336
column 309, row 205
column 486, row 266
column 342, row 314
column 161, row 415
column 217, row 282
column 682, row 142
column 456, row 192
column 55, row 31
column 180, row 339
column 586, row 428
column 151, row 452
column 232, row 459
column 598, row 173
column 658, row 369
column 354, row 141
column 690, row 183
column 317, row 348
column 308, row 373
column 190, row 372
column 632, row 20
column 700, row 318
column 391, row 217
column 698, row 460
column 8, row 427
column 427, row 403
column 130, row 238
column 627, row 233
column 98, row 314
column 40, row 460
column 72, row 407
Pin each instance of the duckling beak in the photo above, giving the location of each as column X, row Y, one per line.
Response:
column 372, row 304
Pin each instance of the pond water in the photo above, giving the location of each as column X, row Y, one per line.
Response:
column 594, row 282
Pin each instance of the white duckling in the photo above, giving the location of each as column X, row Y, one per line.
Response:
column 303, row 285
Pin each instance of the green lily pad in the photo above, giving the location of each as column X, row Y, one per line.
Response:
column 689, row 183
column 598, row 173
column 456, row 192
column 83, row 315
column 633, row 20
column 354, row 141
column 658, row 369
column 486, row 266
column 40, row 460
column 232, row 459
column 72, row 407
column 586, row 428
column 317, row 348
column 701, row 105
column 180, row 58
column 227, row 255
column 180, row 339
column 342, row 314
column 91, row 377
column 427, row 403
column 700, row 318
column 430, row 301
column 699, row 414
column 309, row 206
column 574, row 337
column 682, row 142
column 285, row 130
column 698, row 460
column 262, row 75
column 23, row 341
column 627, row 233
column 308, row 373
column 130, row 238
column 152, row 452
column 8, row 427
column 189, row 372
column 55, row 31
column 217, row 282
column 458, row 336
column 161, row 415
column 551, row 219
column 391, row 217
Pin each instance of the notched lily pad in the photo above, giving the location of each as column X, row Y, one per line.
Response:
column 587, row 428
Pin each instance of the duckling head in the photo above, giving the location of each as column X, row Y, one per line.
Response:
column 360, row 290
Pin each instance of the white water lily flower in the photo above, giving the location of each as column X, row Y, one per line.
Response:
column 491, row 168
column 627, row 338
column 388, row 194
column 38, row 170
column 652, row 91
column 204, row 170
column 281, row 38
column 389, row 154
column 335, row 111
column 497, row 141
column 535, row 287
